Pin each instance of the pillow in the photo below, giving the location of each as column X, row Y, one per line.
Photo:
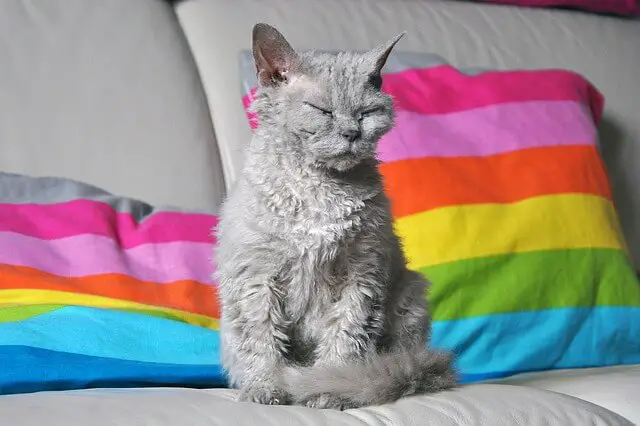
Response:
column 501, row 199
column 618, row 7
column 102, row 291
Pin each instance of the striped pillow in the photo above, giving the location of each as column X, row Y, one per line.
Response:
column 102, row 291
column 502, row 200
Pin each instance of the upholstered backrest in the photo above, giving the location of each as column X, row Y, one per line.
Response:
column 107, row 93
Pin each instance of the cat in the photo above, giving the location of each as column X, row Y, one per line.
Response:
column 318, row 306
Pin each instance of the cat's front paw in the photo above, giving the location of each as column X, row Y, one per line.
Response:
column 328, row 401
column 264, row 395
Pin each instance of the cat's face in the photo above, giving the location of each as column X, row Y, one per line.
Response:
column 330, row 106
column 334, row 110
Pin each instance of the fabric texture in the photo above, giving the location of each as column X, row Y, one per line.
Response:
column 619, row 7
column 107, row 93
column 476, row 405
column 502, row 200
column 97, row 290
column 602, row 48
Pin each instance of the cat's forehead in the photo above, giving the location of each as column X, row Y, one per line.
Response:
column 340, row 73
column 336, row 66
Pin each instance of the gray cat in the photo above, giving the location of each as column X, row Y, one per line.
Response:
column 318, row 306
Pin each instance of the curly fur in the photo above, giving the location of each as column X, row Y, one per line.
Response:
column 318, row 306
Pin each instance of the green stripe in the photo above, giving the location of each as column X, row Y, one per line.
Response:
column 532, row 281
column 152, row 313
column 23, row 312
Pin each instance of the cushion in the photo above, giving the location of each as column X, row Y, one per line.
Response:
column 613, row 388
column 502, row 200
column 491, row 405
column 620, row 7
column 109, row 94
column 98, row 290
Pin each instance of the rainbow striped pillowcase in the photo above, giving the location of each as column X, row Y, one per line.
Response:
column 502, row 200
column 101, row 291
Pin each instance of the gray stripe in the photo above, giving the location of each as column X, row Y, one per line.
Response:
column 20, row 189
column 397, row 62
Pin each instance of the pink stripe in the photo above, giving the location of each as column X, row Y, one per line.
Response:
column 84, row 255
column 622, row 7
column 246, row 101
column 486, row 131
column 53, row 221
column 443, row 89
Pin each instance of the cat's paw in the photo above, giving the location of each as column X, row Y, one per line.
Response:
column 328, row 401
column 264, row 395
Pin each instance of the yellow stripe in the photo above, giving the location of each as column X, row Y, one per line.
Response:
column 540, row 223
column 42, row 297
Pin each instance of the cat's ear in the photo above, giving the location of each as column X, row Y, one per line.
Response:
column 273, row 55
column 378, row 58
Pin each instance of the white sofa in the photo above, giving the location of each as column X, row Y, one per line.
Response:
column 142, row 98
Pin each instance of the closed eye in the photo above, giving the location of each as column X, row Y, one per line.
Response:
column 322, row 110
column 369, row 111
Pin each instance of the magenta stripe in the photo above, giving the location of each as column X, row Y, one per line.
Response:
column 84, row 255
column 444, row 89
column 486, row 131
column 53, row 221
column 246, row 101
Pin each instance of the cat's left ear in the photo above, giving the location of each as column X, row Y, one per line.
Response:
column 378, row 57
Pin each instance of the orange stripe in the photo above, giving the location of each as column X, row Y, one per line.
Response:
column 186, row 295
column 422, row 184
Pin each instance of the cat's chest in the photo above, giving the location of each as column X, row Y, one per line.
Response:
column 316, row 274
column 327, row 226
column 320, row 229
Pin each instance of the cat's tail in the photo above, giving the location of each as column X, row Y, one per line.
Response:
column 382, row 378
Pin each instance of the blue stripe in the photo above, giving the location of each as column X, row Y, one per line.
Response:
column 101, row 348
column 500, row 345
column 32, row 370
column 115, row 334
column 473, row 378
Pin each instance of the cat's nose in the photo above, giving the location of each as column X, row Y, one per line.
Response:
column 351, row 134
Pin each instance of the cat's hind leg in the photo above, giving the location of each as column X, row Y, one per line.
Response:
column 408, row 319
column 409, row 330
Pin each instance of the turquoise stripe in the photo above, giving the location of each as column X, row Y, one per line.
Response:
column 493, row 345
column 115, row 334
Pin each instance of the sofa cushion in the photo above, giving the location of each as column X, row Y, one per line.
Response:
column 620, row 7
column 107, row 93
column 480, row 405
column 603, row 49
column 614, row 388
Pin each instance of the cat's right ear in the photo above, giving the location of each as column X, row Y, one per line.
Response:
column 273, row 55
column 378, row 58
